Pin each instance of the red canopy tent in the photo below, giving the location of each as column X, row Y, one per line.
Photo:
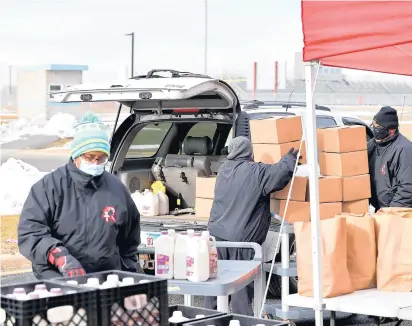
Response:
column 359, row 34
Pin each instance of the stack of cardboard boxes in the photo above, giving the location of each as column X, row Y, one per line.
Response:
column 344, row 185
column 343, row 153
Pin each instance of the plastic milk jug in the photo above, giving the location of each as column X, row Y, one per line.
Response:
column 197, row 261
column 177, row 317
column 137, row 197
column 163, row 203
column 180, row 256
column 149, row 204
column 164, row 250
column 212, row 253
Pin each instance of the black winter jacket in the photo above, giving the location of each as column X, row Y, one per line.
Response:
column 94, row 218
column 390, row 166
column 241, row 207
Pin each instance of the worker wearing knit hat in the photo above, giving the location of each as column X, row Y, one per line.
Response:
column 79, row 218
column 90, row 145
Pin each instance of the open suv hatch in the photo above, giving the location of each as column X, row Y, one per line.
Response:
column 176, row 131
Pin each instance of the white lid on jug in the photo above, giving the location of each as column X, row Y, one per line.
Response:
column 113, row 278
column 56, row 291
column 128, row 281
column 234, row 322
column 93, row 281
column 40, row 287
column 171, row 231
column 18, row 291
column 205, row 234
column 190, row 232
column 177, row 314
column 72, row 282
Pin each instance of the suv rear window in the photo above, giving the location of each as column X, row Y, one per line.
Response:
column 202, row 129
column 148, row 140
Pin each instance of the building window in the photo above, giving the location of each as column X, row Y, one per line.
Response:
column 55, row 87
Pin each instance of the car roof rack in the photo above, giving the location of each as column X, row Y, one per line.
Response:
column 174, row 74
column 256, row 104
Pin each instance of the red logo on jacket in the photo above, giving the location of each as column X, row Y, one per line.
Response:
column 109, row 214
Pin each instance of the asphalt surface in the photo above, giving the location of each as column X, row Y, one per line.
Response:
column 30, row 142
column 341, row 319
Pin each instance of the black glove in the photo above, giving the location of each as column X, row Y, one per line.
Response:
column 65, row 263
column 295, row 153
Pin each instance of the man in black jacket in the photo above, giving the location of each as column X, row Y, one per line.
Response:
column 390, row 162
column 79, row 218
column 241, row 207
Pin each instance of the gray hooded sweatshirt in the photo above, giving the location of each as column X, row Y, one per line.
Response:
column 241, row 208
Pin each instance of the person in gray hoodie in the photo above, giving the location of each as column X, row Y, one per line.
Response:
column 241, row 207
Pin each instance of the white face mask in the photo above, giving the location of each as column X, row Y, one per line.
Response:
column 91, row 168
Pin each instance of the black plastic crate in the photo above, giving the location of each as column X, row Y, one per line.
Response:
column 191, row 312
column 80, row 309
column 243, row 320
column 136, row 304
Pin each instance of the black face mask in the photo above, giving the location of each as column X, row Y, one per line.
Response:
column 380, row 132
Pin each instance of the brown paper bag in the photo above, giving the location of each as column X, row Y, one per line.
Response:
column 394, row 264
column 389, row 212
column 361, row 251
column 335, row 275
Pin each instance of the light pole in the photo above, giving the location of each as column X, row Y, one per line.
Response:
column 205, row 54
column 132, row 68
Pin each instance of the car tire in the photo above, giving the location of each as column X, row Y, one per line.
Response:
column 275, row 285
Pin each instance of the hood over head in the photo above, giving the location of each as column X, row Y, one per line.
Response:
column 240, row 148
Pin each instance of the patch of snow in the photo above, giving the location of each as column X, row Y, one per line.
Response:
column 60, row 125
column 16, row 179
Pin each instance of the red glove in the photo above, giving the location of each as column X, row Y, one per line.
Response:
column 66, row 263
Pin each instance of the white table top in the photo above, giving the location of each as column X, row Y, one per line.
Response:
column 233, row 275
column 366, row 302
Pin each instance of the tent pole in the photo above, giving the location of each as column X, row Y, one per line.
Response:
column 312, row 157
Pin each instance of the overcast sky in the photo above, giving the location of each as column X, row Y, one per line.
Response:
column 168, row 33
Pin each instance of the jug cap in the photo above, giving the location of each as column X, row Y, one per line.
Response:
column 177, row 313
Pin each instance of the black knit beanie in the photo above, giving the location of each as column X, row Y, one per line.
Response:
column 387, row 117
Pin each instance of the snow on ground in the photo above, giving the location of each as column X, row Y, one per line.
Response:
column 16, row 179
column 60, row 125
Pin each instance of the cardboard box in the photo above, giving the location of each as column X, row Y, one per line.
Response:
column 205, row 187
column 342, row 139
column 330, row 190
column 276, row 130
column 300, row 211
column 343, row 165
column 272, row 153
column 298, row 191
column 356, row 187
column 203, row 206
column 356, row 206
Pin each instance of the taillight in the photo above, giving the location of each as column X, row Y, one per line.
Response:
column 186, row 110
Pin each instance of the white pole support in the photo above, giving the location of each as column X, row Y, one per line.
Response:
column 312, row 157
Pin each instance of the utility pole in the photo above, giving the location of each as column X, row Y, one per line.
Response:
column 205, row 54
column 132, row 58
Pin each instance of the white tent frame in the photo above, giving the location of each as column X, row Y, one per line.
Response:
column 312, row 158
